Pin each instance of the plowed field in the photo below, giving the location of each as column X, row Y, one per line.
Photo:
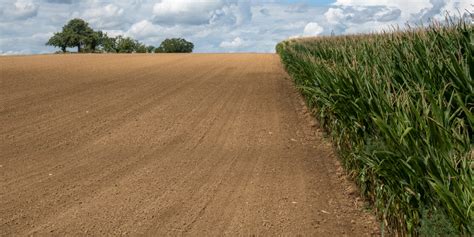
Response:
column 196, row 144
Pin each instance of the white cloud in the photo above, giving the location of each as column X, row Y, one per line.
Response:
column 352, row 12
column 108, row 16
column 356, row 16
column 312, row 29
column 192, row 12
column 406, row 6
column 367, row 27
column 212, row 25
column 235, row 43
column 454, row 6
column 361, row 14
column 185, row 11
column 297, row 8
column 25, row 9
column 334, row 15
column 265, row 12
column 18, row 10
column 60, row 1
column 142, row 29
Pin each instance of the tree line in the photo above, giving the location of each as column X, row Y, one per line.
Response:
column 78, row 34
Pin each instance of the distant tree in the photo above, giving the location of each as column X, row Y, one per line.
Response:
column 150, row 48
column 125, row 44
column 159, row 50
column 140, row 48
column 78, row 32
column 94, row 40
column 58, row 40
column 121, row 44
column 175, row 45
column 108, row 44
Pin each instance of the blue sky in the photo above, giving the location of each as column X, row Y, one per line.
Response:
column 212, row 25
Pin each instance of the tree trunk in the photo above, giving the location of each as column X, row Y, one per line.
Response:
column 78, row 48
column 63, row 49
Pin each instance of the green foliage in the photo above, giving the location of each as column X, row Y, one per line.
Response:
column 77, row 33
column 150, row 49
column 399, row 107
column 124, row 44
column 108, row 44
column 436, row 223
column 94, row 40
column 58, row 40
column 175, row 45
column 140, row 48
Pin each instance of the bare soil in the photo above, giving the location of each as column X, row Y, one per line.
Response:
column 194, row 144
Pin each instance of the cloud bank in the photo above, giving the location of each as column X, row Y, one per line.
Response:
column 212, row 25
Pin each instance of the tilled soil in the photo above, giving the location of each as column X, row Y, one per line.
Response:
column 194, row 144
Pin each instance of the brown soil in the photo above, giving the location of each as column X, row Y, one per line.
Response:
column 203, row 144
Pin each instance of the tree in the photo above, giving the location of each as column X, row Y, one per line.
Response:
column 150, row 48
column 94, row 40
column 121, row 44
column 159, row 50
column 108, row 44
column 125, row 44
column 78, row 33
column 175, row 45
column 58, row 40
column 140, row 48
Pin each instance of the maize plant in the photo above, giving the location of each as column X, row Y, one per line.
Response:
column 399, row 107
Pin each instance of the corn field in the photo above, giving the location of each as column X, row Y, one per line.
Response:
column 399, row 108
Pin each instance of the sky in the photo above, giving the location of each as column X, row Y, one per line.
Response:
column 212, row 25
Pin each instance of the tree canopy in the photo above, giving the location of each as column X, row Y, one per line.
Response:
column 58, row 40
column 78, row 33
column 175, row 45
